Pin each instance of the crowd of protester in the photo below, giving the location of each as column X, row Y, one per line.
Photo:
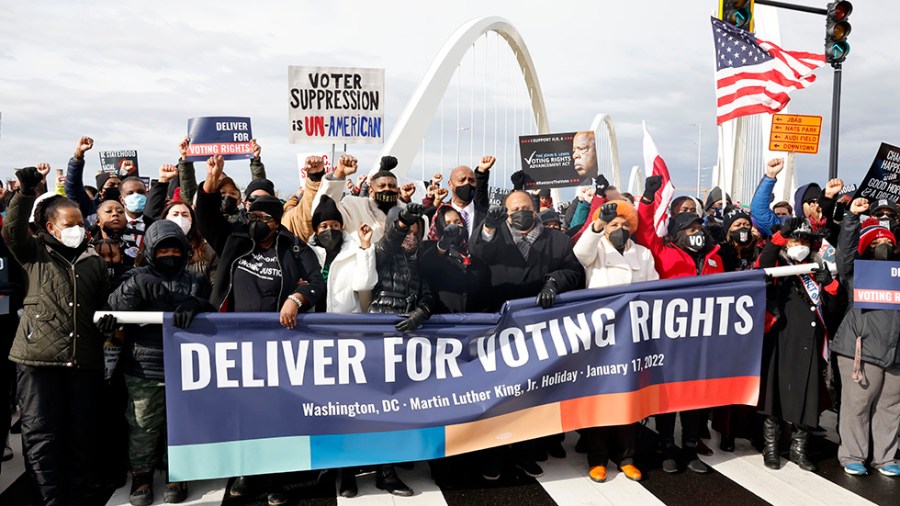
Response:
column 91, row 395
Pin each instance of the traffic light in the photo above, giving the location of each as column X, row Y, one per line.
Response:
column 737, row 12
column 836, row 31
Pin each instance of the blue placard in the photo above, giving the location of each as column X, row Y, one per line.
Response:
column 876, row 284
column 228, row 136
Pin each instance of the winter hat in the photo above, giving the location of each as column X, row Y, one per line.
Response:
column 883, row 204
column 813, row 191
column 102, row 178
column 625, row 209
column 677, row 201
column 549, row 215
column 544, row 193
column 269, row 205
column 871, row 230
column 714, row 197
column 327, row 210
column 260, row 184
column 682, row 222
column 734, row 213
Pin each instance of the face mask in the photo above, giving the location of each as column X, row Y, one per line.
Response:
column 111, row 193
column 135, row 202
column 229, row 205
column 741, row 235
column 386, row 199
column 798, row 253
column 618, row 238
column 330, row 239
column 183, row 222
column 71, row 237
column 522, row 221
column 883, row 252
column 115, row 271
column 465, row 193
column 112, row 234
column 259, row 231
column 694, row 242
column 170, row 265
column 410, row 243
column 316, row 177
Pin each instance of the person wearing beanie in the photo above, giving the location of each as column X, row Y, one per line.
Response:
column 384, row 194
column 550, row 218
column 865, row 346
column 545, row 201
column 683, row 204
column 687, row 250
column 262, row 268
column 298, row 218
column 792, row 362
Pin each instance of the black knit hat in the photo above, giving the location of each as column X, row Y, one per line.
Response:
column 260, row 184
column 732, row 214
column 102, row 178
column 269, row 205
column 548, row 215
column 327, row 210
column 681, row 222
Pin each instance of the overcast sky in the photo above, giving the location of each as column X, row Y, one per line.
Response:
column 130, row 73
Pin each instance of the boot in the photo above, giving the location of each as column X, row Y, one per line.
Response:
column 771, row 435
column 800, row 450
column 386, row 479
column 348, row 483
column 141, row 488
column 175, row 493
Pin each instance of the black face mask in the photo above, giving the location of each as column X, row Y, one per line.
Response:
column 386, row 199
column 112, row 193
column 741, row 235
column 115, row 271
column 694, row 242
column 229, row 205
column 330, row 239
column 522, row 221
column 618, row 238
column 315, row 176
column 259, row 231
column 883, row 252
column 170, row 265
column 465, row 193
column 112, row 234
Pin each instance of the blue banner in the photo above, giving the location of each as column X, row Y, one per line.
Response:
column 876, row 284
column 246, row 396
column 228, row 136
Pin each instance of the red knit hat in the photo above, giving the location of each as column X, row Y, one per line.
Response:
column 871, row 230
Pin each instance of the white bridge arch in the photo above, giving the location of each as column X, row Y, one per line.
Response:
column 405, row 138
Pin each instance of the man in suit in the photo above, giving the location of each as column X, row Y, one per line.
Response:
column 469, row 192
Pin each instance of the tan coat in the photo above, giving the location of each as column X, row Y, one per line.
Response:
column 299, row 219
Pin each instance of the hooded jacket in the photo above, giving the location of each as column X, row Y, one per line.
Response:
column 672, row 261
column 401, row 288
column 57, row 326
column 877, row 329
column 142, row 352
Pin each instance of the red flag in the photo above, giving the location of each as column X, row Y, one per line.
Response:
column 657, row 167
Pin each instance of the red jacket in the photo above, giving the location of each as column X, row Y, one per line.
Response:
column 672, row 261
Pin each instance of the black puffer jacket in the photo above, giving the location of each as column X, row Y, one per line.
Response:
column 878, row 328
column 142, row 353
column 401, row 287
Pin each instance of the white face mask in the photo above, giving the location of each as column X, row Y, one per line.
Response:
column 183, row 222
column 798, row 253
column 71, row 237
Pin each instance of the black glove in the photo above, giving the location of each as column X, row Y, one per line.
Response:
column 601, row 184
column 413, row 321
column 29, row 179
column 10, row 289
column 548, row 293
column 651, row 185
column 496, row 215
column 107, row 324
column 518, row 179
column 822, row 275
column 185, row 313
column 789, row 225
column 452, row 236
column 411, row 213
column 608, row 212
column 150, row 287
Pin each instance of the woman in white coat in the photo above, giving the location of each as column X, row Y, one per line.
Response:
column 610, row 258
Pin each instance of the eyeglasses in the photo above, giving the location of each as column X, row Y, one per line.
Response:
column 252, row 198
column 885, row 214
column 811, row 202
column 260, row 216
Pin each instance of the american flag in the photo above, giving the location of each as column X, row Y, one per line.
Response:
column 754, row 76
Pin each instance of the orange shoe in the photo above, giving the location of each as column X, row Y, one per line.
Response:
column 598, row 474
column 631, row 472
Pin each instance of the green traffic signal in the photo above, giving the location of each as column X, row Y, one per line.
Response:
column 836, row 31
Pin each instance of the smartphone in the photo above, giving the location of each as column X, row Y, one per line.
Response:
column 59, row 173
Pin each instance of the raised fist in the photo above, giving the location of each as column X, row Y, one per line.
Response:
column 608, row 212
column 183, row 147
column 167, row 172
column 346, row 166
column 833, row 187
column 859, row 206
column 774, row 167
column 84, row 144
column 255, row 148
column 496, row 215
column 486, row 163
column 411, row 214
column 407, row 191
column 518, row 179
